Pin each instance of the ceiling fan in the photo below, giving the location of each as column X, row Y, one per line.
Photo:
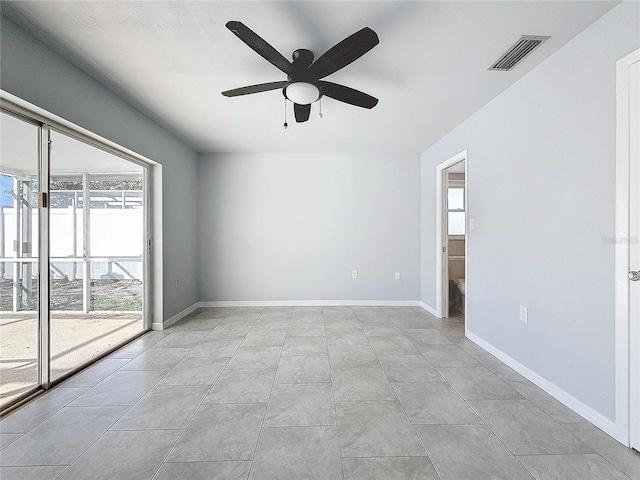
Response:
column 304, row 85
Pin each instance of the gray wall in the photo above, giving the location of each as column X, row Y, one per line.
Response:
column 541, row 190
column 292, row 227
column 35, row 73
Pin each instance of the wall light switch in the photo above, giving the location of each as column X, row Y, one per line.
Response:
column 397, row 276
column 354, row 273
column 472, row 224
column 524, row 314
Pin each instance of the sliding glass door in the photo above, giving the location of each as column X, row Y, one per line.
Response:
column 91, row 231
column 18, row 258
column 96, row 231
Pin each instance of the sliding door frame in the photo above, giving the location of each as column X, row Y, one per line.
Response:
column 44, row 289
column 152, row 279
column 42, row 334
column 147, row 251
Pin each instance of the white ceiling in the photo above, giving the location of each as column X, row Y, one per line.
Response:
column 172, row 59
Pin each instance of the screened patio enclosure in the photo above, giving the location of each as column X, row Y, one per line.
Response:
column 75, row 212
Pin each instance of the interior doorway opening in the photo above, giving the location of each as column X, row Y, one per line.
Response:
column 451, row 242
column 456, row 235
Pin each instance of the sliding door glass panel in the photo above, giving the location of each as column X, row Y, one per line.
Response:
column 97, row 240
column 18, row 258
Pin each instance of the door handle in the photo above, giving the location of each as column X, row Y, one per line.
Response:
column 634, row 276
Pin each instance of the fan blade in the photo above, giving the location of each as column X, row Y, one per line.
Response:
column 261, row 87
column 347, row 95
column 302, row 112
column 259, row 45
column 343, row 53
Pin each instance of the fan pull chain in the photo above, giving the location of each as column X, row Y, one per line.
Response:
column 285, row 113
column 320, row 107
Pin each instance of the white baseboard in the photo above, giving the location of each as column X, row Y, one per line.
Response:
column 429, row 309
column 552, row 389
column 309, row 303
column 178, row 316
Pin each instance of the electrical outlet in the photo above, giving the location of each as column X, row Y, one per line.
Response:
column 177, row 282
column 397, row 276
column 354, row 273
column 524, row 314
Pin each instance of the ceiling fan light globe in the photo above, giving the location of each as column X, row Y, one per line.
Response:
column 302, row 93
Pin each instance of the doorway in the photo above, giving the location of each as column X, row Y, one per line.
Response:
column 74, row 256
column 627, row 251
column 451, row 236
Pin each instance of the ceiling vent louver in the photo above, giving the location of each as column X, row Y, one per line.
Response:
column 523, row 47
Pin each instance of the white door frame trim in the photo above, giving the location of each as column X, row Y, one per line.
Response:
column 622, row 209
column 440, row 188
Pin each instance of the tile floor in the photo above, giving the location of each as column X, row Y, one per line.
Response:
column 305, row 393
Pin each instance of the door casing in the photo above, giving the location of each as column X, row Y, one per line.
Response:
column 627, row 330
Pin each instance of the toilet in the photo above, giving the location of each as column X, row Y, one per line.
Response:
column 460, row 297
